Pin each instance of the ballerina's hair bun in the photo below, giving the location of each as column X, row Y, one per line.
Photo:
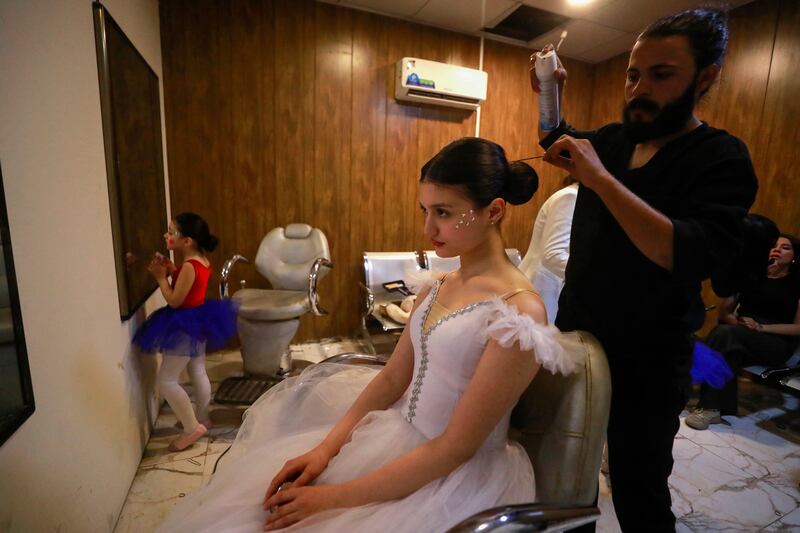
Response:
column 193, row 226
column 521, row 183
column 211, row 243
column 481, row 169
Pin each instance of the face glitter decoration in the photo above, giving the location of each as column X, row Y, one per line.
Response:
column 465, row 219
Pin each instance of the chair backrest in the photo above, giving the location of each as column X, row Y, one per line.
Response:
column 561, row 422
column 285, row 255
column 446, row 264
column 380, row 267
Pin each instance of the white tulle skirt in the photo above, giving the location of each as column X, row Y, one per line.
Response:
column 295, row 416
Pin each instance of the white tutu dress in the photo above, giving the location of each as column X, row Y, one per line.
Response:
column 297, row 415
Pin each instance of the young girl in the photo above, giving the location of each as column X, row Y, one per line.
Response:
column 420, row 444
column 184, row 328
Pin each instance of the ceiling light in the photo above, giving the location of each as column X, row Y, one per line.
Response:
column 578, row 2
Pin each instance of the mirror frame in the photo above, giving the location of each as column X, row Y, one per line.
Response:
column 14, row 421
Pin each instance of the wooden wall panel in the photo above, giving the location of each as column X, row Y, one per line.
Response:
column 736, row 102
column 608, row 94
column 777, row 157
column 281, row 112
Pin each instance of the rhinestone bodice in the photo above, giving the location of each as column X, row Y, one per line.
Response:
column 445, row 357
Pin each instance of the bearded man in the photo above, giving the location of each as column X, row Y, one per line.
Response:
column 660, row 205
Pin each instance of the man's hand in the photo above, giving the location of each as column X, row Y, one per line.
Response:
column 560, row 73
column 578, row 157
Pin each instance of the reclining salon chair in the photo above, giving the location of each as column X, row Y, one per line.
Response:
column 561, row 422
column 293, row 259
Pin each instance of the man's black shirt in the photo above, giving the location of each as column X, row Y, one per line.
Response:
column 704, row 182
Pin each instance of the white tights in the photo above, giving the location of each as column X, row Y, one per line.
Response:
column 178, row 400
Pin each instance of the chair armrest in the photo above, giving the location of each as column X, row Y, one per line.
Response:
column 528, row 517
column 226, row 271
column 369, row 302
column 353, row 358
column 313, row 277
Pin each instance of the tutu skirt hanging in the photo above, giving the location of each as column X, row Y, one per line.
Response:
column 709, row 366
column 196, row 329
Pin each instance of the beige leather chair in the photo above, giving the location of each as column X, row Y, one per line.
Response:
column 293, row 259
column 561, row 422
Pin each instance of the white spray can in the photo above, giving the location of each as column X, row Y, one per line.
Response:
column 549, row 112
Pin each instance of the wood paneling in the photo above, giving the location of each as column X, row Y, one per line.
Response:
column 607, row 94
column 736, row 102
column 777, row 157
column 281, row 112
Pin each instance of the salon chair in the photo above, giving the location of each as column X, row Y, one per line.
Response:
column 380, row 268
column 561, row 422
column 293, row 259
column 432, row 261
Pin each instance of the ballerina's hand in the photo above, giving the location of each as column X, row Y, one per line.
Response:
column 296, row 503
column 300, row 471
column 157, row 269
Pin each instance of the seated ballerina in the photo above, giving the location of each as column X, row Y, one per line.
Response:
column 420, row 444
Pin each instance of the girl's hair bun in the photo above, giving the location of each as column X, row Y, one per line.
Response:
column 211, row 243
column 521, row 183
column 192, row 225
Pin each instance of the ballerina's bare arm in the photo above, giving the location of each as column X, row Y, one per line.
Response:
column 384, row 390
column 478, row 412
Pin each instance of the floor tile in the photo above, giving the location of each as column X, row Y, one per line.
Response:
column 156, row 490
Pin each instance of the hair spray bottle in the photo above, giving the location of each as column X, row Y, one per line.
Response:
column 549, row 112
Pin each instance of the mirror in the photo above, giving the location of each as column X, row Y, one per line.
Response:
column 131, row 111
column 16, row 390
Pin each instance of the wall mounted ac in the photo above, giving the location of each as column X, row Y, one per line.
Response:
column 430, row 82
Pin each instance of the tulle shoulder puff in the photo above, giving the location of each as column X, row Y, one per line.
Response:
column 556, row 352
column 419, row 280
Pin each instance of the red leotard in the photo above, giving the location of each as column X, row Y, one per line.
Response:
column 197, row 293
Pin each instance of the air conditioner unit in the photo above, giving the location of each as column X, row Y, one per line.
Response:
column 420, row 80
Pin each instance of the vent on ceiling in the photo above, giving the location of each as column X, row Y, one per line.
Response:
column 526, row 23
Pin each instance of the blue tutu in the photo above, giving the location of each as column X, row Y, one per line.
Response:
column 207, row 327
column 709, row 366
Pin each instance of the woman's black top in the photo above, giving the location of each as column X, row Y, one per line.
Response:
column 773, row 301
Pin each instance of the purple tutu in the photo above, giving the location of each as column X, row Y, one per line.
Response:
column 709, row 366
column 207, row 327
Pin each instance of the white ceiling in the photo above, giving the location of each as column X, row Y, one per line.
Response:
column 601, row 29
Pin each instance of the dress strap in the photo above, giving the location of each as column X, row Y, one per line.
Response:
column 197, row 262
column 509, row 294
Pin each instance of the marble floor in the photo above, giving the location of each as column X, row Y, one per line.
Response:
column 741, row 475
